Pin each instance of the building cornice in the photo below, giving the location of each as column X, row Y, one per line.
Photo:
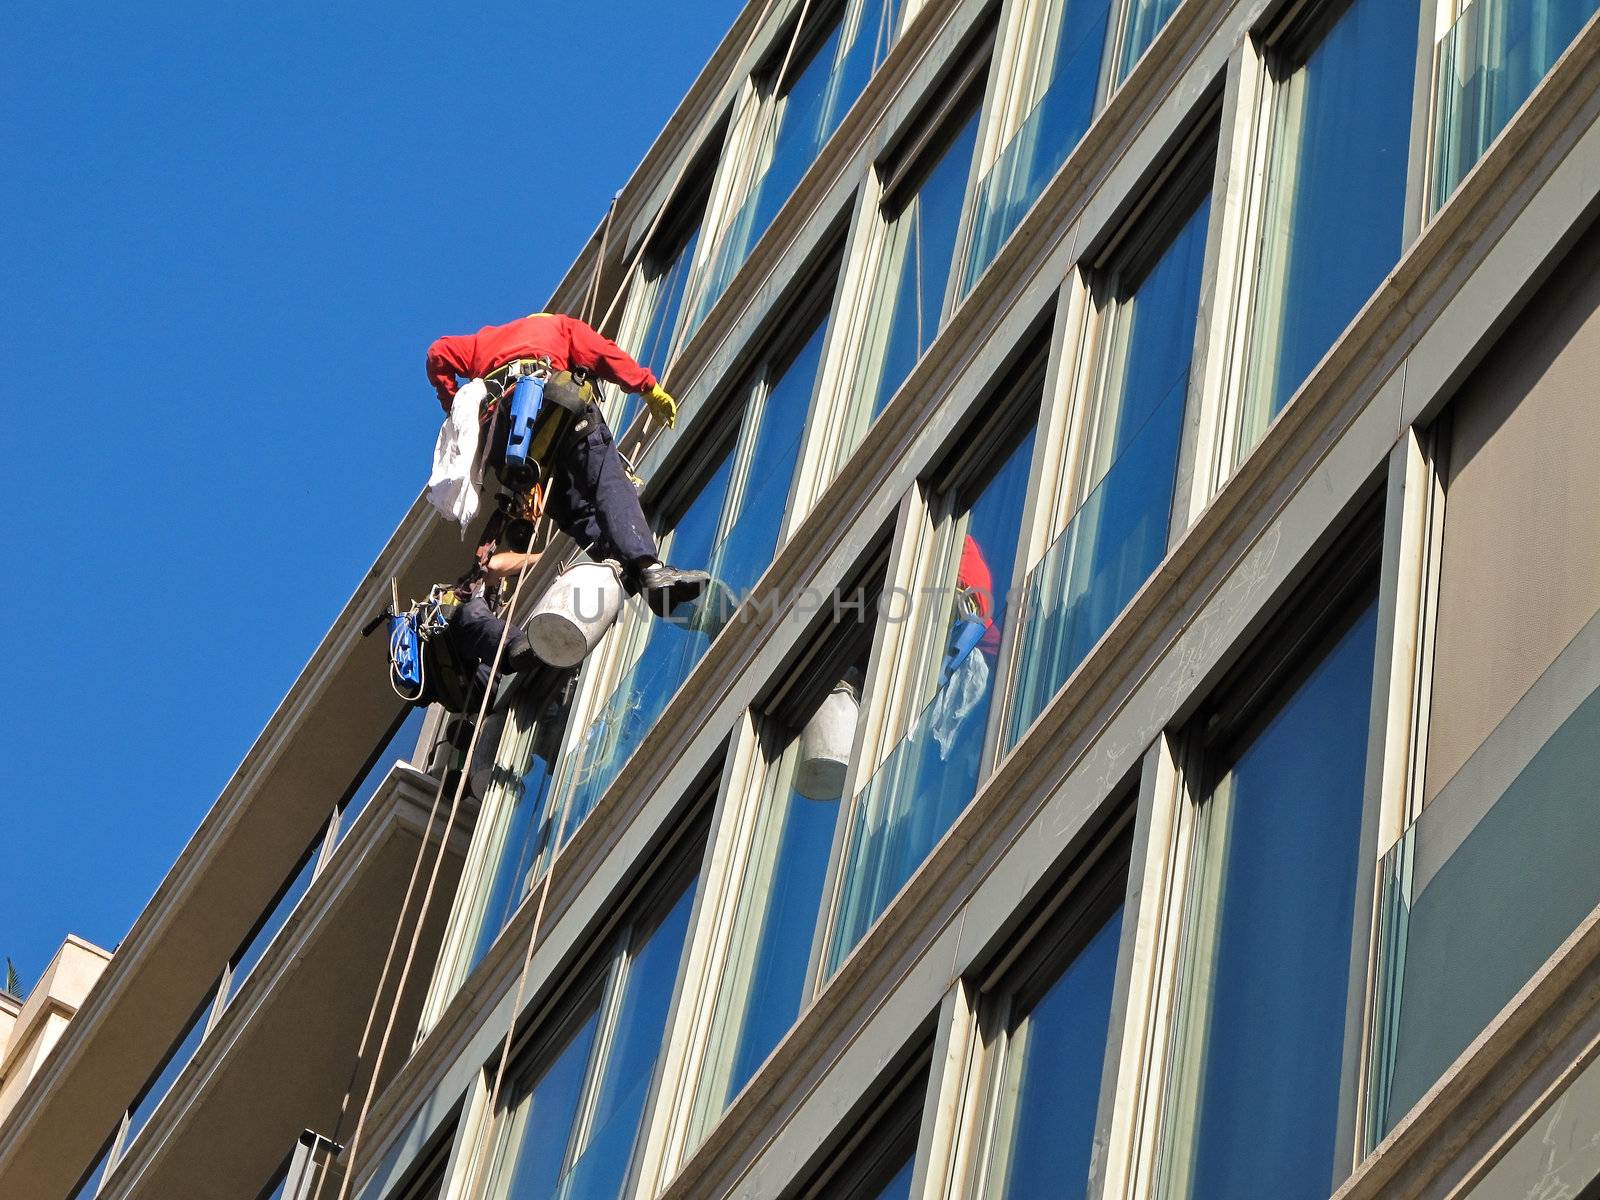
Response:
column 399, row 808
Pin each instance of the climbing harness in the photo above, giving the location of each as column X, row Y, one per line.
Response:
column 423, row 668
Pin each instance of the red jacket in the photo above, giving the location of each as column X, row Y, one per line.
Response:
column 566, row 341
column 973, row 572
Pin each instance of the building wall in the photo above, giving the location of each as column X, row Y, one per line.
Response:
column 1254, row 371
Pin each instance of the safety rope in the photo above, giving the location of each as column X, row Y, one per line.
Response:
column 427, row 896
column 593, row 291
column 351, row 1155
column 388, row 958
column 478, row 1161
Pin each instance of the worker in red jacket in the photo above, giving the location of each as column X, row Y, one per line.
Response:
column 588, row 492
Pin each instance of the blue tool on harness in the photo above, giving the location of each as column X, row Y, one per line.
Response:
column 526, row 402
column 405, row 654
column 422, row 666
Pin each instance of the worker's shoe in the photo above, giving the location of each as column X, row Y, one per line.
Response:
column 666, row 588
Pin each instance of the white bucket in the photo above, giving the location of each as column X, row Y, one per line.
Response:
column 574, row 612
column 825, row 745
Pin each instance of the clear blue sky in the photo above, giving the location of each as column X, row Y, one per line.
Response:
column 227, row 234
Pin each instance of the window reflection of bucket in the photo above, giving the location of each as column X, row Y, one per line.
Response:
column 574, row 613
column 825, row 745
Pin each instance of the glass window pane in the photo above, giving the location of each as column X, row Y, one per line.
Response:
column 919, row 249
column 1120, row 530
column 759, row 495
column 194, row 1033
column 668, row 282
column 796, row 126
column 763, row 984
column 1267, row 958
column 1487, row 65
column 1047, row 135
column 521, row 811
column 932, row 774
column 601, row 1167
column 1509, row 875
column 899, row 1187
column 399, row 746
column 1048, row 1095
column 575, row 1128
column 730, row 529
column 250, row 953
column 544, row 1112
column 1141, row 22
column 1335, row 203
column 670, row 651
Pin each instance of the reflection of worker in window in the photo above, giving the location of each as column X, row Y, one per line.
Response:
column 971, row 649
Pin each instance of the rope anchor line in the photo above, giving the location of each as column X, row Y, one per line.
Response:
column 477, row 1161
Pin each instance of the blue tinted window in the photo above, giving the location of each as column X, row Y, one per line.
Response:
column 1120, row 530
column 1141, row 21
column 921, row 249
column 671, row 650
column 1280, row 852
column 584, row 1151
column 899, row 1187
column 670, row 282
column 1336, row 199
column 1489, row 63
column 1041, row 145
column 546, row 1112
column 760, row 495
column 527, row 828
column 803, row 120
column 932, row 774
column 1050, row 1088
column 786, row 932
column 730, row 529
column 601, row 1169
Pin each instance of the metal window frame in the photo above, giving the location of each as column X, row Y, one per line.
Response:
column 790, row 325
column 1262, row 94
column 490, row 831
column 998, row 998
column 312, row 1156
column 1183, row 771
column 860, row 1165
column 746, row 150
column 763, row 744
column 1076, row 393
column 597, row 980
column 907, row 650
column 911, row 149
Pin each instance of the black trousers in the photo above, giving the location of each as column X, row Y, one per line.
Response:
column 590, row 497
column 474, row 635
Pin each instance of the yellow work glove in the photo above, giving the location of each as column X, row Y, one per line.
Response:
column 662, row 406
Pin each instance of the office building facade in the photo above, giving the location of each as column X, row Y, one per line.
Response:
column 1144, row 742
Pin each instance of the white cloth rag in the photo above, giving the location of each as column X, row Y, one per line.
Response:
column 457, row 472
column 962, row 693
